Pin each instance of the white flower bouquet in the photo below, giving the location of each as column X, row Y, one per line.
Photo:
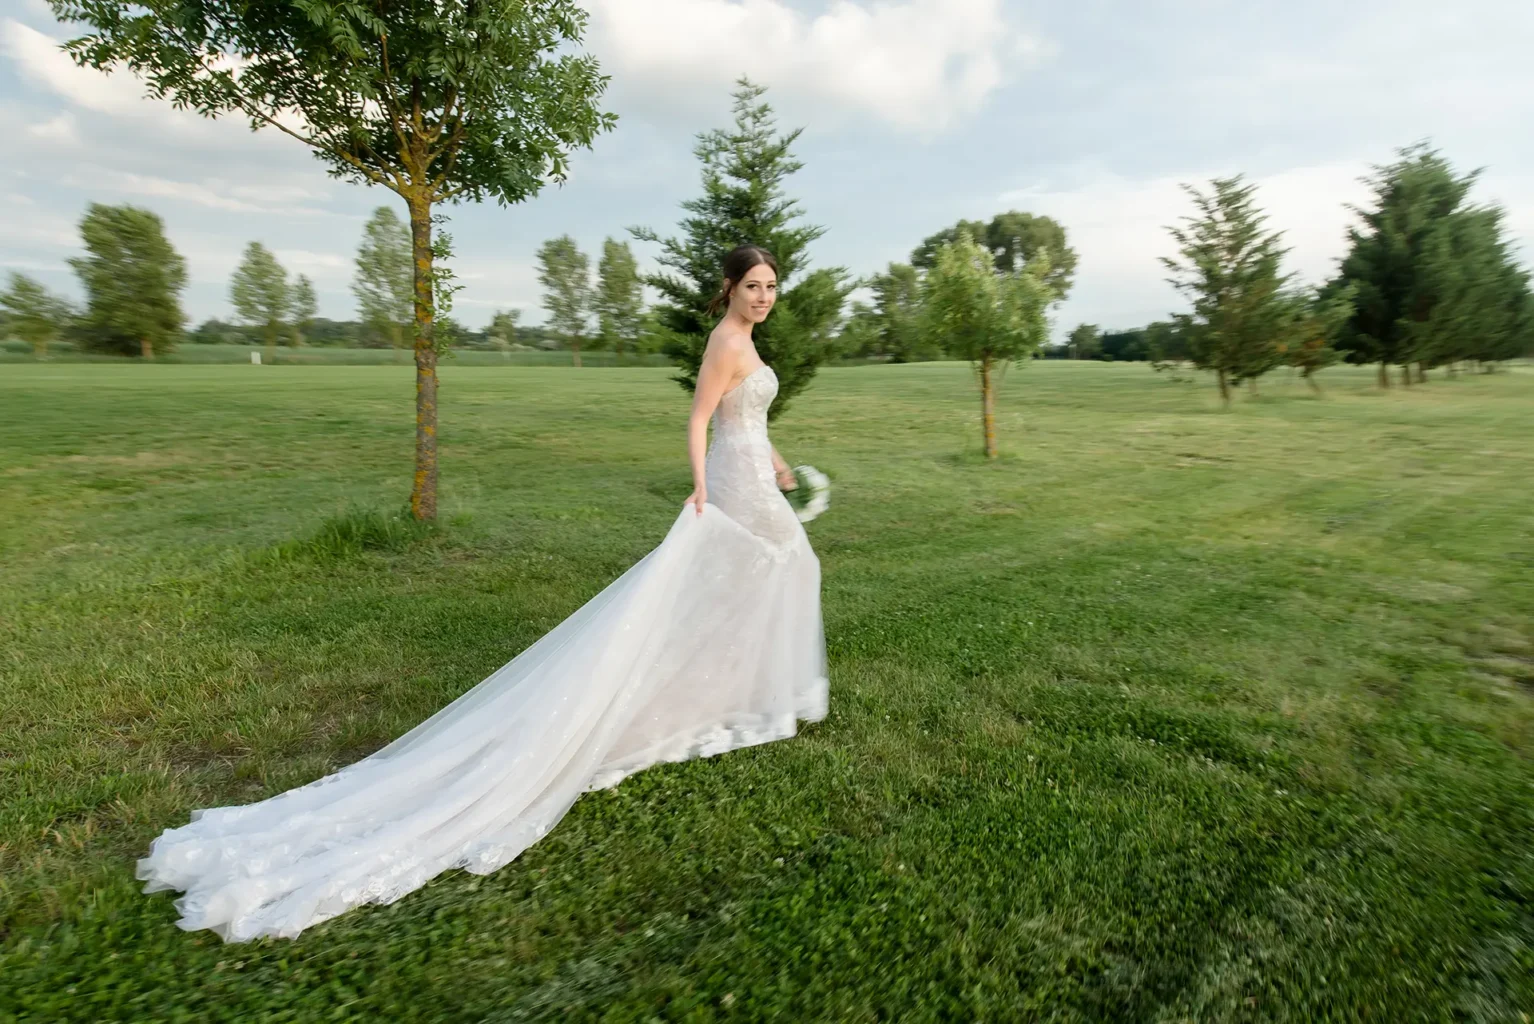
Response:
column 812, row 496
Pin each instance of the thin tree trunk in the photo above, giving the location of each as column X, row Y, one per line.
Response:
column 1384, row 375
column 988, row 408
column 1421, row 374
column 423, row 494
column 271, row 344
column 1224, row 388
column 575, row 347
column 1251, row 385
column 145, row 349
column 1406, row 374
column 1310, row 379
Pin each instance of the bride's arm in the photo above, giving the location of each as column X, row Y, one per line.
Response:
column 786, row 479
column 713, row 380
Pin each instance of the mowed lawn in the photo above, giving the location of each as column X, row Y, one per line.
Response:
column 1171, row 713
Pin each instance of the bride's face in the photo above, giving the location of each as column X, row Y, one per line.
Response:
column 755, row 293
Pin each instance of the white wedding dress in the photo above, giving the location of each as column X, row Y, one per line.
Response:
column 712, row 642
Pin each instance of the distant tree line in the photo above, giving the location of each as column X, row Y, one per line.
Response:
column 1429, row 280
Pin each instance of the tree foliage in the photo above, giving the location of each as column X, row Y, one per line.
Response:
column 303, row 309
column 565, row 273
column 33, row 313
column 1014, row 239
column 438, row 100
column 619, row 297
column 1435, row 277
column 1229, row 267
column 133, row 279
column 384, row 279
column 986, row 317
column 744, row 201
column 259, row 293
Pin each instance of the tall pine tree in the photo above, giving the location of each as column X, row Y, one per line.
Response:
column 1399, row 263
column 745, row 169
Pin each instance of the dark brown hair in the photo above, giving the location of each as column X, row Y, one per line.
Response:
column 740, row 260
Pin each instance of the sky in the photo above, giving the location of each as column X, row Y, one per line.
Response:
column 916, row 113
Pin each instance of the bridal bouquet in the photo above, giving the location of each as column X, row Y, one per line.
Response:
column 812, row 496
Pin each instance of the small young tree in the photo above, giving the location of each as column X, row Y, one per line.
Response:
column 565, row 273
column 619, row 297
column 987, row 318
column 33, row 313
column 503, row 330
column 439, row 101
column 384, row 282
column 1230, row 269
column 133, row 278
column 259, row 292
column 305, row 306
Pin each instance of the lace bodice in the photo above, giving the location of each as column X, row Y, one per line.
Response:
column 741, row 481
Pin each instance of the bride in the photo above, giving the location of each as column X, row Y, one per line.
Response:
column 710, row 643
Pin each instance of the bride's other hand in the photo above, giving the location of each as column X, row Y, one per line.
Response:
column 786, row 480
column 697, row 498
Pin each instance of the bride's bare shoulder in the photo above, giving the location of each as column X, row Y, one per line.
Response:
column 727, row 345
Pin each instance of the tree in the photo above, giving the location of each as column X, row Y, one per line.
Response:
column 565, row 273
column 259, row 292
column 503, row 330
column 743, row 202
column 991, row 319
column 33, row 313
column 304, row 308
column 619, row 297
column 897, row 315
column 1086, row 341
column 859, row 335
column 384, row 282
column 1390, row 264
column 133, row 279
column 440, row 101
column 1319, row 317
column 1230, row 269
column 1014, row 239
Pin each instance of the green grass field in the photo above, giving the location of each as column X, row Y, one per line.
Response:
column 1170, row 714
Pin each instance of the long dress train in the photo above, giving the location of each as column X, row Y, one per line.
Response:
column 710, row 643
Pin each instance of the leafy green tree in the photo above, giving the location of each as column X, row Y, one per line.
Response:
column 384, row 281
column 858, row 337
column 440, row 101
column 33, row 313
column 1397, row 259
column 744, row 202
column 897, row 315
column 988, row 318
column 619, row 297
column 1319, row 319
column 133, row 279
column 503, row 330
column 304, row 308
column 1086, row 341
column 259, row 293
column 565, row 273
column 1014, row 238
column 1230, row 270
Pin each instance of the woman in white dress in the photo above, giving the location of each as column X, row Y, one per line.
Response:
column 710, row 643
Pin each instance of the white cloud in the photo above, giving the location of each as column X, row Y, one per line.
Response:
column 59, row 128
column 919, row 65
